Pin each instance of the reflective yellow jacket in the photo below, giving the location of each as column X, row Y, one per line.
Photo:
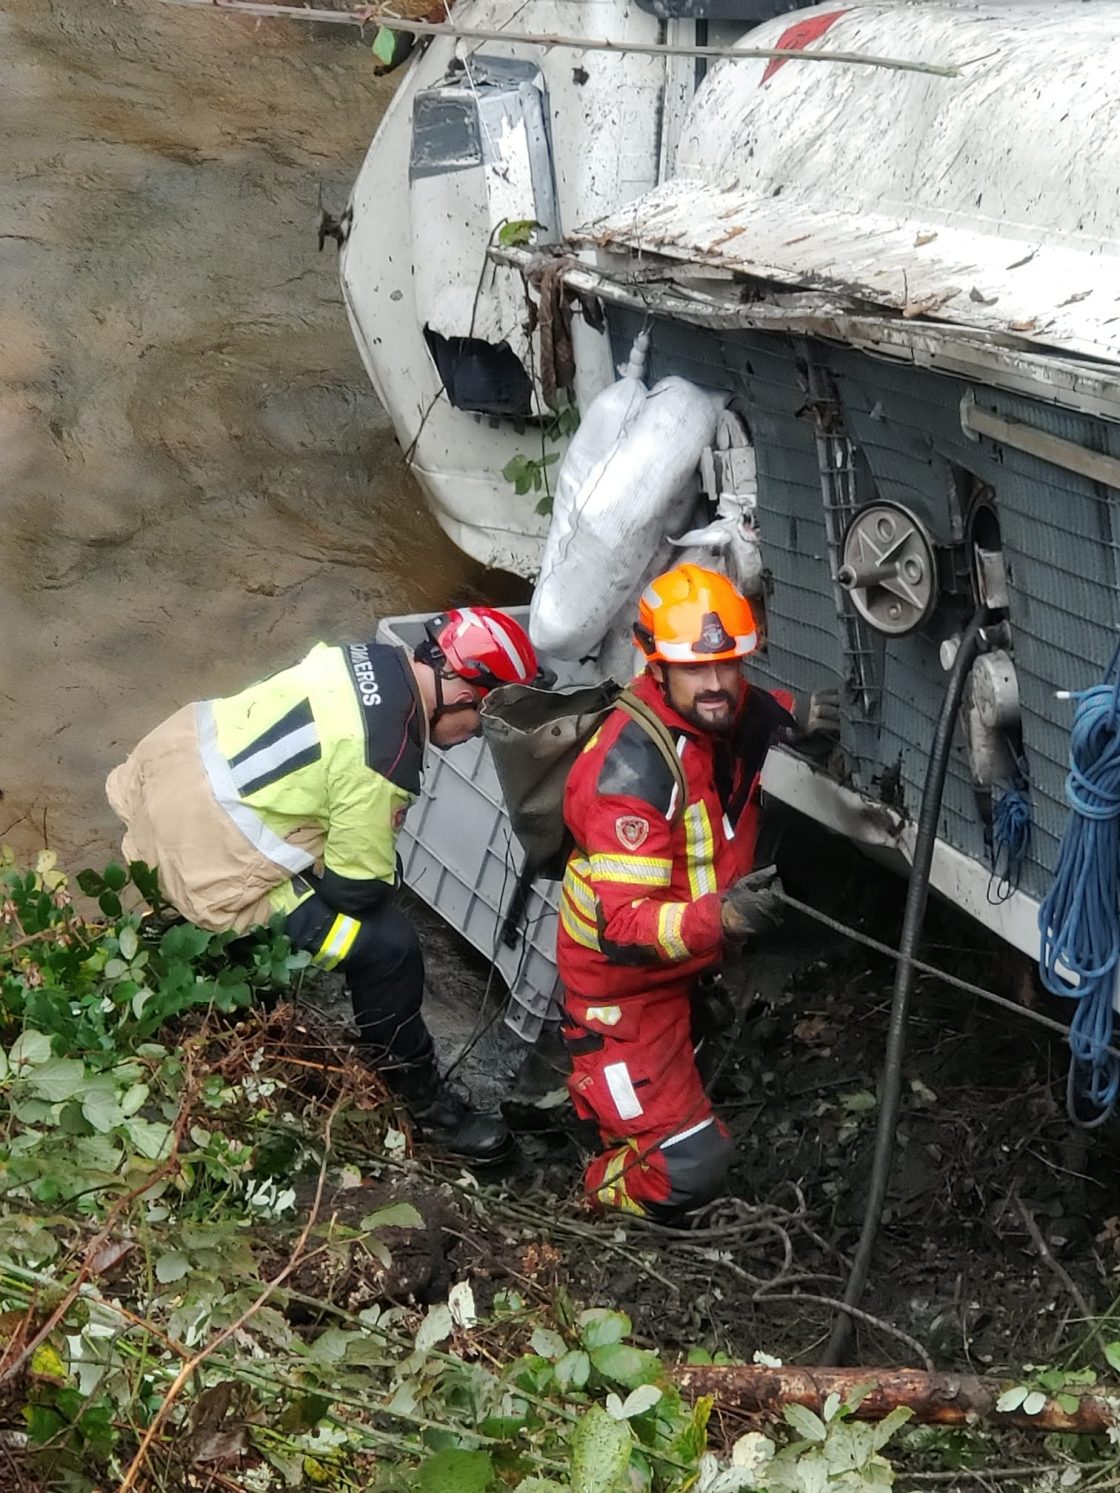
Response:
column 237, row 800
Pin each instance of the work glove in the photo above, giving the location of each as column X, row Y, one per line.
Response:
column 753, row 905
column 818, row 714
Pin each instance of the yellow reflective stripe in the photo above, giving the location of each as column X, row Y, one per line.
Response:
column 576, row 929
column 641, row 870
column 579, row 866
column 338, row 942
column 593, row 740
column 582, row 898
column 670, row 917
column 700, row 850
column 611, row 1192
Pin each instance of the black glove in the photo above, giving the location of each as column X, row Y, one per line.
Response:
column 818, row 714
column 752, row 906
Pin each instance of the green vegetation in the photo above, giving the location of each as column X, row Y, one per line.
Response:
column 203, row 1209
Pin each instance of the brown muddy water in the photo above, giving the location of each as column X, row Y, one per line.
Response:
column 196, row 480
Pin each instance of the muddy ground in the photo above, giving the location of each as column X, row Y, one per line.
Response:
column 1002, row 1222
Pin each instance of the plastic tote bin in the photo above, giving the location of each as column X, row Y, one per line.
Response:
column 460, row 856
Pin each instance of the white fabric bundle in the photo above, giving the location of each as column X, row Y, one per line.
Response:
column 606, row 532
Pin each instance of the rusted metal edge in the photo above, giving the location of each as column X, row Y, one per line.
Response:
column 1002, row 360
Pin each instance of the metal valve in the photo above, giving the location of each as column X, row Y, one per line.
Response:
column 888, row 568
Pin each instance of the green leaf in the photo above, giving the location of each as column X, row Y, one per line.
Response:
column 1112, row 1354
column 115, row 877
column 172, row 1266
column 56, row 1080
column 639, row 1400
column 133, row 1099
column 625, row 1365
column 533, row 1373
column 99, row 1105
column 456, row 1471
column 395, row 1216
column 600, row 1451
column 547, row 1343
column 110, row 904
column 43, row 1424
column 183, row 941
column 435, row 1328
column 128, row 943
column 858, row 1103
column 29, row 1050
column 90, row 882
column 808, row 1426
column 573, row 1370
column 598, row 1326
column 385, row 45
column 518, row 231
column 1012, row 1398
column 46, row 1364
column 1069, row 1403
column 152, row 1138
column 889, row 1424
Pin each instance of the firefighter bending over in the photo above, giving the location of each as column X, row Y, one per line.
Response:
column 655, row 887
column 288, row 798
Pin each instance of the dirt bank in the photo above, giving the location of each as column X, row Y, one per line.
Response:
column 195, row 477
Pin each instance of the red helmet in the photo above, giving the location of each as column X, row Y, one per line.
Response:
column 483, row 646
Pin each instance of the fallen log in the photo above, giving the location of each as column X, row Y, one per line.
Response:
column 935, row 1399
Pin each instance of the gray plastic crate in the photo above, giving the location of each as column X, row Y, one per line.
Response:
column 460, row 855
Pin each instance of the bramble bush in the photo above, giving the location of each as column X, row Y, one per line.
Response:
column 161, row 1179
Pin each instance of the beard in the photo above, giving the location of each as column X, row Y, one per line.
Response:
column 708, row 719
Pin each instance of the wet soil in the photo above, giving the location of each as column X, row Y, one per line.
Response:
column 1002, row 1225
column 196, row 480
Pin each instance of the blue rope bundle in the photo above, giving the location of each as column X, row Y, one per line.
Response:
column 1011, row 839
column 1080, row 918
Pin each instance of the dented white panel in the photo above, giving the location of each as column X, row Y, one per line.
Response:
column 990, row 199
column 604, row 111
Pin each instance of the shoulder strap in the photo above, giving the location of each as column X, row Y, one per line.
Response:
column 662, row 738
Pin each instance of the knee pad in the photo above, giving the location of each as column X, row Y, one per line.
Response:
column 696, row 1164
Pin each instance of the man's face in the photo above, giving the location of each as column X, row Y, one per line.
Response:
column 705, row 694
column 460, row 725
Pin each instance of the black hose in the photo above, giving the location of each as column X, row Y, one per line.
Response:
column 917, row 895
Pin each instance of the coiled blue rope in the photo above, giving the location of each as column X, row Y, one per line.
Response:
column 1011, row 840
column 1080, row 918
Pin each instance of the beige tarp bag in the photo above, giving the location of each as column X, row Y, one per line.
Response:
column 535, row 736
column 208, row 868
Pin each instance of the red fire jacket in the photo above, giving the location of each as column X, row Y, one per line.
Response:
column 640, row 900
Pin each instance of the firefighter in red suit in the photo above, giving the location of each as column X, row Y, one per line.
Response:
column 654, row 889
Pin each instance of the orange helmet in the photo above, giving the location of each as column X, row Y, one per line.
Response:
column 694, row 616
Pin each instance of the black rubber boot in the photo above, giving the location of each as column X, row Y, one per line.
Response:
column 447, row 1121
column 539, row 1097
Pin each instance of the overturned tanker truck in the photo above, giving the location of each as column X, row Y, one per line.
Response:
column 897, row 289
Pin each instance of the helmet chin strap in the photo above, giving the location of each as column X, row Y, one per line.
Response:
column 444, row 709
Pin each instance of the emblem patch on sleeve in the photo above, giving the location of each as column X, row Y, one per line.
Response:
column 632, row 831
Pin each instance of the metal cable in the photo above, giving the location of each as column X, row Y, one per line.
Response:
column 931, row 969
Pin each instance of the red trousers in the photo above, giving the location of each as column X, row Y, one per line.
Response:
column 634, row 1073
